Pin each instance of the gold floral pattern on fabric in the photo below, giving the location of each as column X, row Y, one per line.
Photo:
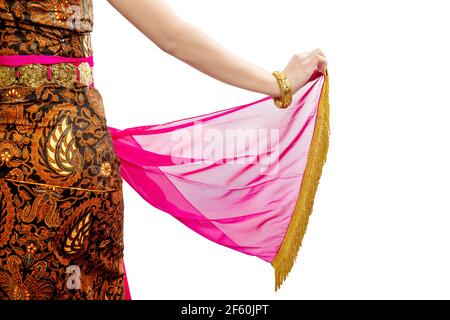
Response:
column 5, row 156
column 106, row 169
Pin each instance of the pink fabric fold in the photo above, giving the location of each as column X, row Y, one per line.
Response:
column 240, row 195
column 127, row 294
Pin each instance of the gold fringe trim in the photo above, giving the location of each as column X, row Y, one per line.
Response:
column 287, row 254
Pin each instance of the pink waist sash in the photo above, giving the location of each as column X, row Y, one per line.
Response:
column 18, row 60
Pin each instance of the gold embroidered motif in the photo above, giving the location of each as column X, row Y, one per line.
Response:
column 61, row 148
column 31, row 248
column 43, row 208
column 106, row 169
column 63, row 74
column 75, row 240
column 28, row 259
column 7, row 76
column 32, row 75
column 60, row 13
column 5, row 156
column 13, row 93
column 86, row 76
column 21, row 285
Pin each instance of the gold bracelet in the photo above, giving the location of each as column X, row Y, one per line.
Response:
column 286, row 98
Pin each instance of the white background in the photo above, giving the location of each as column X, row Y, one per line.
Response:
column 381, row 221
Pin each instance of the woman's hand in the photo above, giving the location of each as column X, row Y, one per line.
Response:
column 302, row 66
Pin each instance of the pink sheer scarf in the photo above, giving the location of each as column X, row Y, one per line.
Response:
column 244, row 177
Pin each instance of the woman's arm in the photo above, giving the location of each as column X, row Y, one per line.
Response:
column 168, row 31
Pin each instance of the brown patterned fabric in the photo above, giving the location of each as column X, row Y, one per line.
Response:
column 61, row 202
column 51, row 27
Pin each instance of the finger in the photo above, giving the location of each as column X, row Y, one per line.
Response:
column 319, row 52
column 317, row 60
column 316, row 52
column 322, row 64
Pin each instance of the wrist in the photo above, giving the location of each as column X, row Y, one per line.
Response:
column 286, row 90
column 272, row 88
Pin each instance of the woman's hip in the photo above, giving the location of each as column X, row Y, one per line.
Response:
column 61, row 201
